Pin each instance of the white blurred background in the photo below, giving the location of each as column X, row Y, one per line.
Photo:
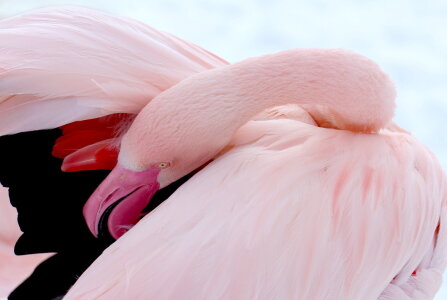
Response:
column 406, row 37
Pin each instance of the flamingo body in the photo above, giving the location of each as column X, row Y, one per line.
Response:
column 292, row 211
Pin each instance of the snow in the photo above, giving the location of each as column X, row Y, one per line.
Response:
column 406, row 37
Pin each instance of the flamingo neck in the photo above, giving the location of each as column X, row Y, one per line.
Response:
column 339, row 88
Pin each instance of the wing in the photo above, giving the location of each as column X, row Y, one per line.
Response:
column 291, row 211
column 66, row 64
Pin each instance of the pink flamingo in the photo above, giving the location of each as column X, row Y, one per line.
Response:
column 329, row 202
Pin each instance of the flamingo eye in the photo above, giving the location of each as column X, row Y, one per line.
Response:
column 163, row 165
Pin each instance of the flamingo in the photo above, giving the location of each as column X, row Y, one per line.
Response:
column 325, row 200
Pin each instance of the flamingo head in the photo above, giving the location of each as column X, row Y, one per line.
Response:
column 118, row 202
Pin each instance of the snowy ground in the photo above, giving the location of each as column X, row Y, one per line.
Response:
column 406, row 37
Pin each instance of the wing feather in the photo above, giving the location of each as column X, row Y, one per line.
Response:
column 65, row 64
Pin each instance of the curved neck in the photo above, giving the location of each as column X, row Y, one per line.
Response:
column 341, row 89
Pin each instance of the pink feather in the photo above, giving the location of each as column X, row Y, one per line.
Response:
column 286, row 210
column 60, row 65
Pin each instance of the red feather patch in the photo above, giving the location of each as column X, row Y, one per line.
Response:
column 90, row 144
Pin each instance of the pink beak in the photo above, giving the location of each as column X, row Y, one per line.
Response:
column 125, row 193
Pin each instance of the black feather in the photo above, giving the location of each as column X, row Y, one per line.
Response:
column 49, row 203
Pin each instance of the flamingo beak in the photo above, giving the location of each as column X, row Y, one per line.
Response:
column 121, row 197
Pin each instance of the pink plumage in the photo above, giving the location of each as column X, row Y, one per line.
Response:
column 87, row 61
column 321, row 199
column 287, row 209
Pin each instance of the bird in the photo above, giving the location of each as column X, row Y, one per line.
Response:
column 324, row 200
column 71, row 81
column 327, row 200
